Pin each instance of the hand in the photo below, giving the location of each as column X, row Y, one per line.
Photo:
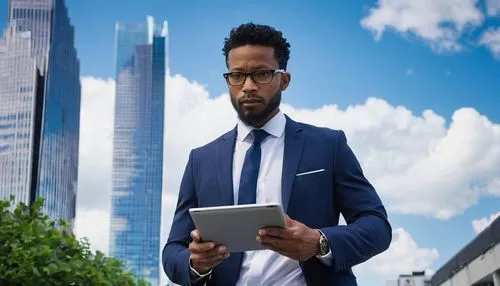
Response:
column 296, row 241
column 205, row 255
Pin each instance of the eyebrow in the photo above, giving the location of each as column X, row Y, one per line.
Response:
column 259, row 67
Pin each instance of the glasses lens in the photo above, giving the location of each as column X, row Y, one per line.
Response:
column 236, row 78
column 262, row 76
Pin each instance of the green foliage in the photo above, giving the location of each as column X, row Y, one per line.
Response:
column 36, row 251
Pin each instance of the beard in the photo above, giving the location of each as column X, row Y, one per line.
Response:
column 253, row 118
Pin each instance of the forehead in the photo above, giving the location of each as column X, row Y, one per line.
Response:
column 251, row 57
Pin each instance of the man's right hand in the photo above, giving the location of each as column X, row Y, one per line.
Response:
column 205, row 255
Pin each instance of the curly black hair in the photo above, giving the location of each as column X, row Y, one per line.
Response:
column 257, row 34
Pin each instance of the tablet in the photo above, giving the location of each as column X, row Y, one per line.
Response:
column 237, row 226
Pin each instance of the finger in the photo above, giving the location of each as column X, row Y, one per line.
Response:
column 202, row 247
column 283, row 246
column 274, row 248
column 270, row 241
column 276, row 232
column 278, row 244
column 289, row 221
column 203, row 254
column 277, row 248
column 270, row 231
column 218, row 251
column 208, row 259
column 196, row 235
column 208, row 249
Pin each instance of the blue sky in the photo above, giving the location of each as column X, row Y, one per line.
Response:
column 334, row 60
column 330, row 52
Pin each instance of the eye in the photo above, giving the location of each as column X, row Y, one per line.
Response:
column 236, row 76
column 262, row 75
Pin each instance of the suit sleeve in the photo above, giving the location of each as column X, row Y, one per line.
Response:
column 368, row 231
column 175, row 254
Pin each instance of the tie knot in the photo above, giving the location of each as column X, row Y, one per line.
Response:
column 259, row 135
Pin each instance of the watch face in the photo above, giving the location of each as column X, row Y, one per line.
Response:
column 324, row 248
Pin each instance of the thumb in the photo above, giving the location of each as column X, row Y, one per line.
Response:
column 195, row 235
column 289, row 222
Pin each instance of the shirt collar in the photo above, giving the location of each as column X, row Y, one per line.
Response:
column 275, row 126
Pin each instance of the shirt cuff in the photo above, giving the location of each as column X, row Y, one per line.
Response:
column 326, row 259
column 195, row 276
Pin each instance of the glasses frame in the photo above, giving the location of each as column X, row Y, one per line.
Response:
column 251, row 74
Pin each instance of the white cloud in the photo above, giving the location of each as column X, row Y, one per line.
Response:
column 94, row 225
column 494, row 187
column 403, row 256
column 418, row 163
column 493, row 7
column 96, row 134
column 480, row 224
column 440, row 23
column 491, row 39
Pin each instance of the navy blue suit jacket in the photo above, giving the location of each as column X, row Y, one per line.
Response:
column 315, row 200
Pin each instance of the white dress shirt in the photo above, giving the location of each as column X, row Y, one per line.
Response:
column 266, row 267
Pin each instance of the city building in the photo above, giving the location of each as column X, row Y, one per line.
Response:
column 138, row 147
column 477, row 264
column 417, row 278
column 40, row 107
column 21, row 88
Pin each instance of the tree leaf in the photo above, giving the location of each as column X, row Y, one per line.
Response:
column 38, row 251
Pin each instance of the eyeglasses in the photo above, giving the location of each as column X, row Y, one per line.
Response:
column 259, row 76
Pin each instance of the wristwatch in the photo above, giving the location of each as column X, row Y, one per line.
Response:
column 324, row 247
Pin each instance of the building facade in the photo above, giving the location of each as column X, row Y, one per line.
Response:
column 138, row 147
column 40, row 129
column 477, row 263
column 21, row 88
column 416, row 278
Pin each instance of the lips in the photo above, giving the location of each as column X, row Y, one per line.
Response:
column 250, row 102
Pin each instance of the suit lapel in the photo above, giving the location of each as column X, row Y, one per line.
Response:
column 291, row 158
column 224, row 166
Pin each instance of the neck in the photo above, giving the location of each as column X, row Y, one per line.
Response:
column 266, row 119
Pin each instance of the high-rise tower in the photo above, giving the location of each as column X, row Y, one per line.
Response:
column 138, row 146
column 40, row 107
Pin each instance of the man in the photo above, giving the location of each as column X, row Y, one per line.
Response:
column 267, row 158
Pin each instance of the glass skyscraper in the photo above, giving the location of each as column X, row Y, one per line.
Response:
column 138, row 146
column 40, row 107
column 21, row 88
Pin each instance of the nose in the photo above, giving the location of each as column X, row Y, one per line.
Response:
column 249, row 86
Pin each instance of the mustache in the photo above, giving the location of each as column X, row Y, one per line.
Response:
column 247, row 97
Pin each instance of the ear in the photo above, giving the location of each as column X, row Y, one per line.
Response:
column 285, row 80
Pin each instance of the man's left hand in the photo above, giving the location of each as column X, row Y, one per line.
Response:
column 297, row 241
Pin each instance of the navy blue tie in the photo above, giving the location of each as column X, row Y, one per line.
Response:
column 249, row 173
